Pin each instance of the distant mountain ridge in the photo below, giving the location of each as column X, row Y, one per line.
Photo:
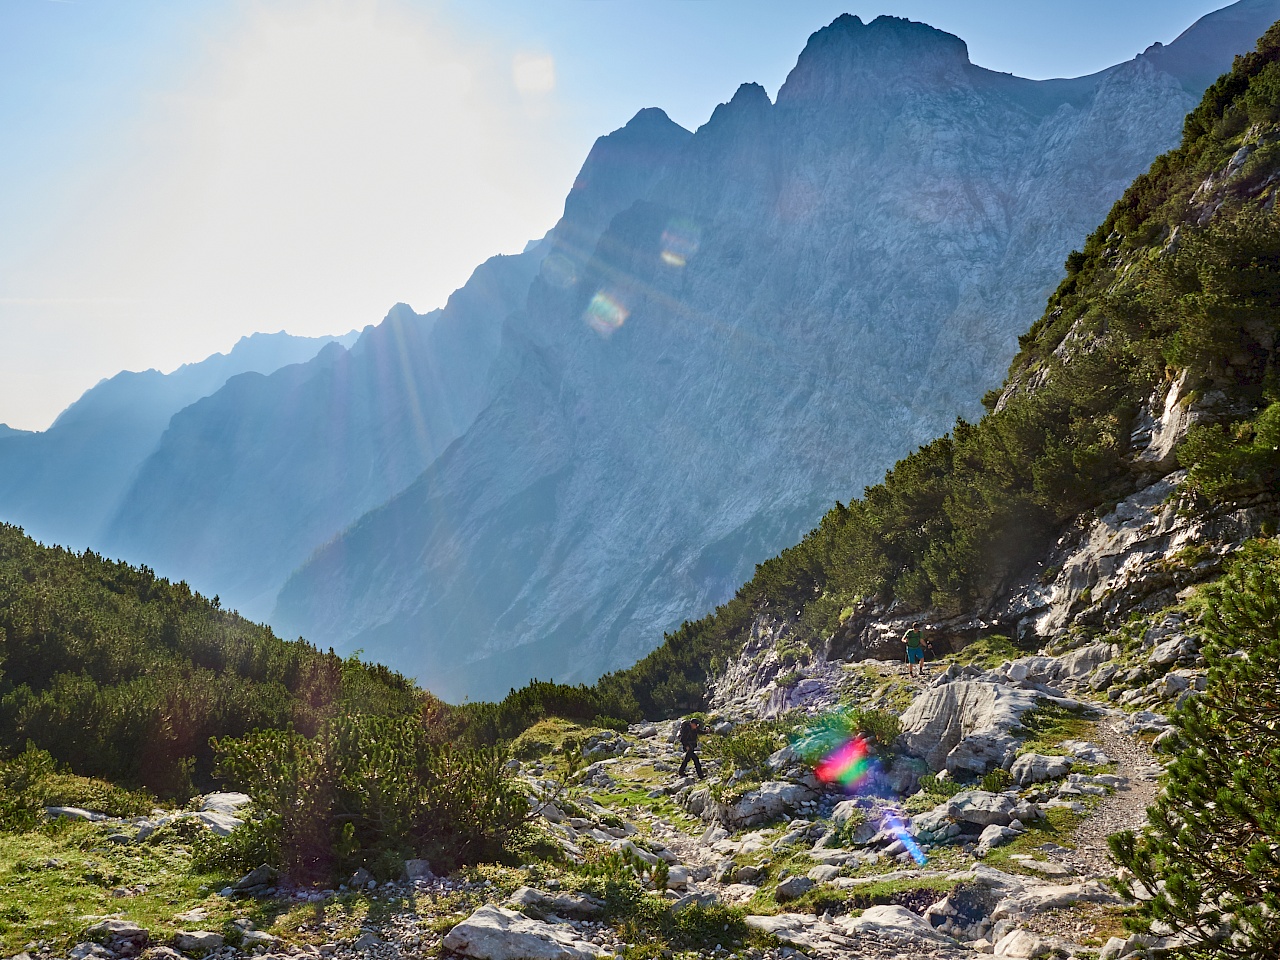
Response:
column 267, row 470
column 62, row 483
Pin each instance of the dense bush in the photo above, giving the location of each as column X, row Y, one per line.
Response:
column 486, row 724
column 746, row 748
column 31, row 781
column 122, row 675
column 1211, row 852
column 372, row 791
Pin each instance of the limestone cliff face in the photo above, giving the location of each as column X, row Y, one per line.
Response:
column 813, row 288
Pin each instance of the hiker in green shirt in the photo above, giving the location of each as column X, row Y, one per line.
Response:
column 915, row 649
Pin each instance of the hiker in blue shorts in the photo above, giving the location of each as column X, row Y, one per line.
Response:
column 915, row 649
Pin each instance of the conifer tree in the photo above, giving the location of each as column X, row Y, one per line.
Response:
column 1211, row 851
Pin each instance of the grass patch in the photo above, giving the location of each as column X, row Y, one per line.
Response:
column 1049, row 724
column 63, row 871
column 551, row 737
column 1056, row 826
column 989, row 652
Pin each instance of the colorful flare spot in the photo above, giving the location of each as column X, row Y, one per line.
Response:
column 851, row 762
column 680, row 241
column 605, row 314
column 893, row 823
column 848, row 765
column 559, row 271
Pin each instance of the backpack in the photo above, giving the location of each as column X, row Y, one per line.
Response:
column 689, row 734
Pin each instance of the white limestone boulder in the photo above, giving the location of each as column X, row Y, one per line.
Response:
column 492, row 933
column 892, row 922
column 981, row 808
column 1037, row 767
column 966, row 726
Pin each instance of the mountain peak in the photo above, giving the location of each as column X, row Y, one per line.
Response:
column 849, row 58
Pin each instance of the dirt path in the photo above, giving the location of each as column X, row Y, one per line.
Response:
column 1126, row 809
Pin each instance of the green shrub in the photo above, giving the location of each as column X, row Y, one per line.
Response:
column 931, row 785
column 997, row 781
column 1211, row 850
column 747, row 747
column 368, row 788
column 31, row 781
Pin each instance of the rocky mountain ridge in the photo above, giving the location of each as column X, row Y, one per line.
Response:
column 738, row 351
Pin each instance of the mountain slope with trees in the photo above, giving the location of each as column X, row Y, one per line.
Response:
column 122, row 675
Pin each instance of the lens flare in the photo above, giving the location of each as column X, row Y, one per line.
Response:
column 605, row 313
column 843, row 757
column 559, row 271
column 848, row 765
column 893, row 823
column 680, row 241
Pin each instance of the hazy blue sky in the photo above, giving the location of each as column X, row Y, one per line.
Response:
column 174, row 175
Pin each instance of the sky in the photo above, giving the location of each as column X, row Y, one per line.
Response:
column 174, row 176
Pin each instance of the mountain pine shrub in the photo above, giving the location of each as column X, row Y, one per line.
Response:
column 1211, row 851
column 372, row 791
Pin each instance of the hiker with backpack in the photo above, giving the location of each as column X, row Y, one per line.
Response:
column 915, row 649
column 689, row 731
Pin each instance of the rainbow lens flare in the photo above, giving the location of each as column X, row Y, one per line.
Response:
column 847, row 759
column 680, row 241
column 848, row 765
column 893, row 823
column 605, row 314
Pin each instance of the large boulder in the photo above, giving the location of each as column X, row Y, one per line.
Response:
column 1073, row 667
column 1036, row 768
column 965, row 726
column 492, row 933
column 980, row 808
column 1023, row 945
column 891, row 922
column 766, row 802
column 228, row 803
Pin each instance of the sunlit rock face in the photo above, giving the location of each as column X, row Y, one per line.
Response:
column 813, row 288
column 245, row 484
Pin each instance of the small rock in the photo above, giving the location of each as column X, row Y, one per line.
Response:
column 197, row 941
column 792, row 888
column 366, row 941
column 992, row 837
column 417, row 871
column 256, row 880
column 824, row 873
column 74, row 813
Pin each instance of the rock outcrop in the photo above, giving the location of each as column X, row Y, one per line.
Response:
column 966, row 726
column 492, row 933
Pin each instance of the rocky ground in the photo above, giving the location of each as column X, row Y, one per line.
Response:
column 982, row 832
